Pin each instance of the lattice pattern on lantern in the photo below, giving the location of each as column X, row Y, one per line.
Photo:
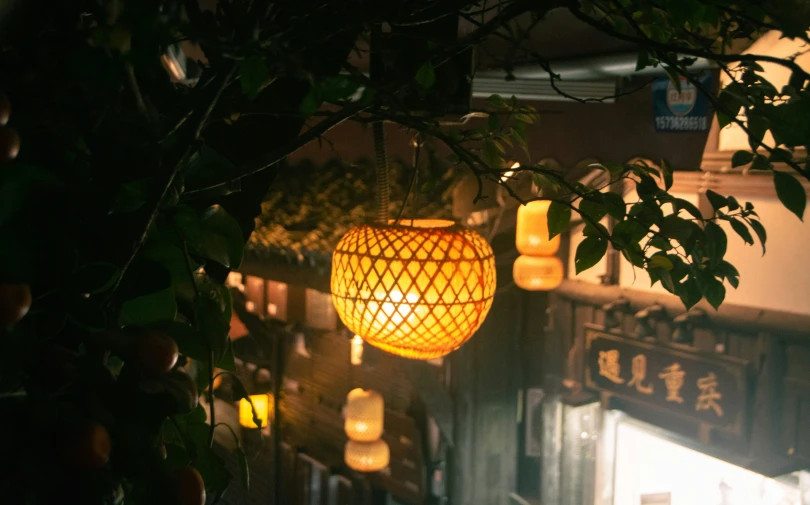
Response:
column 366, row 456
column 419, row 291
column 365, row 413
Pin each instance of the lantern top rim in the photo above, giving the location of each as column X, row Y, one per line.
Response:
column 417, row 224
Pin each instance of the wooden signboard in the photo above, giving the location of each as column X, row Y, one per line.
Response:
column 709, row 388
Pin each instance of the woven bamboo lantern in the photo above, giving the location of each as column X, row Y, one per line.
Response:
column 418, row 291
column 538, row 273
column 365, row 412
column 531, row 234
column 366, row 456
column 262, row 406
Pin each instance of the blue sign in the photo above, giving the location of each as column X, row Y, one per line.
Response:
column 686, row 110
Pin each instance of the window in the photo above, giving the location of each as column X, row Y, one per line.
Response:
column 254, row 292
column 320, row 311
column 276, row 299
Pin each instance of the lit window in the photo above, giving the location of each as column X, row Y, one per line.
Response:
column 276, row 297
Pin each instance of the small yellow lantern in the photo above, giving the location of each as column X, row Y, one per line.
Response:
column 367, row 456
column 365, row 413
column 531, row 234
column 418, row 289
column 538, row 273
column 262, row 405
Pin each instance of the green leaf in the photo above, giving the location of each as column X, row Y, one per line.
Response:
column 681, row 204
column 426, row 75
column 95, row 277
column 221, row 238
column 660, row 261
column 727, row 271
column 761, row 163
column 214, row 330
column 518, row 132
column 791, row 193
column 729, row 106
column 593, row 209
column 589, row 252
column 660, row 243
column 689, row 292
column 760, row 231
column 757, row 126
column 492, row 156
column 677, row 227
column 253, row 74
column 493, row 122
column 559, row 215
column 227, row 362
column 667, row 174
column 716, row 242
column 717, row 201
column 190, row 341
column 713, row 290
column 497, row 101
column 159, row 307
column 614, row 204
column 742, row 230
column 741, row 158
column 211, row 467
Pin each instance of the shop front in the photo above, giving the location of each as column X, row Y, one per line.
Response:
column 655, row 406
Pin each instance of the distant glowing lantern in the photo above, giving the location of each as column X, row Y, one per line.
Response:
column 367, row 456
column 365, row 412
column 262, row 405
column 418, row 290
column 531, row 235
column 538, row 273
column 357, row 350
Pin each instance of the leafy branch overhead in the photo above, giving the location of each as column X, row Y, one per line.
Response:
column 139, row 140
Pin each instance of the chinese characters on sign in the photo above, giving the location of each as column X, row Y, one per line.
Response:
column 709, row 388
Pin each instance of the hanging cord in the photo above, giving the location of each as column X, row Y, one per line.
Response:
column 381, row 159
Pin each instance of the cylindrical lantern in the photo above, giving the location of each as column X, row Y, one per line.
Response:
column 262, row 405
column 418, row 291
column 357, row 350
column 531, row 235
column 538, row 273
column 366, row 456
column 365, row 412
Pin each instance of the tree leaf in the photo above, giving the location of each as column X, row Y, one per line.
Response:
column 497, row 101
column 253, row 74
column 666, row 172
column 717, row 201
column 614, row 204
column 689, row 292
column 493, row 122
column 159, row 307
column 426, row 75
column 717, row 242
column 492, row 157
column 714, row 291
column 559, row 215
column 760, row 231
column 221, row 239
column 741, row 158
column 593, row 209
column 791, row 193
column 660, row 261
column 761, row 163
column 681, row 204
column 589, row 252
column 742, row 230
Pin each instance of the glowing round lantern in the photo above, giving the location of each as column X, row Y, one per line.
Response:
column 366, row 456
column 531, row 234
column 364, row 413
column 262, row 405
column 418, row 291
column 538, row 273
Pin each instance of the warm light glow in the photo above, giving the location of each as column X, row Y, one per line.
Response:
column 538, row 273
column 357, row 350
column 262, row 405
column 511, row 172
column 531, row 235
column 365, row 412
column 367, row 456
column 418, row 291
